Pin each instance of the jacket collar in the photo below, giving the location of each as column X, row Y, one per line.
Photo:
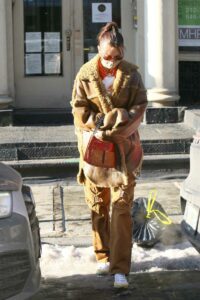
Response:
column 89, row 71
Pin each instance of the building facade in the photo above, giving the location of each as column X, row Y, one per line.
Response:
column 44, row 43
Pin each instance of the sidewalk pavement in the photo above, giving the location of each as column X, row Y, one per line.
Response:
column 170, row 285
column 165, row 285
column 64, row 215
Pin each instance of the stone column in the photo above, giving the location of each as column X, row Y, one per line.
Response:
column 5, row 100
column 161, row 52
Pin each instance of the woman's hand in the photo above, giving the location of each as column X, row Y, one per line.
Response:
column 107, row 136
column 99, row 135
column 115, row 118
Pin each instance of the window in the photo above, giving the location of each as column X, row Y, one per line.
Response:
column 43, row 37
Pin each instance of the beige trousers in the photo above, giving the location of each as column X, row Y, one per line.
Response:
column 112, row 236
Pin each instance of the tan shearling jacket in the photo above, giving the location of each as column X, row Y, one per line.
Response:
column 123, row 110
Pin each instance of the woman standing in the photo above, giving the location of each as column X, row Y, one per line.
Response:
column 109, row 90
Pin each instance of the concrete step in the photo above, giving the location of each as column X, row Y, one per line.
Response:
column 59, row 142
column 166, row 138
column 192, row 118
column 155, row 115
column 52, row 150
column 6, row 117
column 42, row 117
column 29, row 117
column 153, row 166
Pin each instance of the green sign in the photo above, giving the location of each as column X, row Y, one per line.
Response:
column 189, row 12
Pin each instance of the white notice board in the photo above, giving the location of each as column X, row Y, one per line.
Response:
column 51, row 42
column 101, row 12
column 33, row 42
column 33, row 64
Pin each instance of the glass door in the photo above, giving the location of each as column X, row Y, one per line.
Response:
column 43, row 53
column 95, row 15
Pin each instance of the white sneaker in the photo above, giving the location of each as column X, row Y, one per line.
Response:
column 103, row 268
column 120, row 281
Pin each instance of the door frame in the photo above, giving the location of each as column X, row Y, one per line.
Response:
column 65, row 81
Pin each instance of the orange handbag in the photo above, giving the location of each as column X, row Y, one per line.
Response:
column 100, row 153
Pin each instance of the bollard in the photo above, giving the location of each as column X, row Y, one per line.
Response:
column 58, row 210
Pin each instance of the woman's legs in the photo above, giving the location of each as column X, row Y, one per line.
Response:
column 121, row 229
column 112, row 242
column 101, row 234
column 98, row 200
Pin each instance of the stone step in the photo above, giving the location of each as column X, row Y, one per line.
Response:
column 167, row 165
column 154, row 115
column 173, row 114
column 43, row 151
column 59, row 142
column 192, row 118
column 6, row 117
column 31, row 117
column 50, row 117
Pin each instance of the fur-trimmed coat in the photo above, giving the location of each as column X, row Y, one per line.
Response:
column 123, row 110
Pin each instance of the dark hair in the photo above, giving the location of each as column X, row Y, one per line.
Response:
column 110, row 32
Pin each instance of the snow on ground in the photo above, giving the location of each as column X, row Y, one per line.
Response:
column 60, row 261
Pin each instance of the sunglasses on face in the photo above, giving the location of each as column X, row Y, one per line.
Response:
column 109, row 57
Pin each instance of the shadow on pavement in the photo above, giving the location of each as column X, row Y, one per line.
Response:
column 166, row 285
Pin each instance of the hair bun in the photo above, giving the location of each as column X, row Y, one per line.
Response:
column 111, row 26
column 111, row 33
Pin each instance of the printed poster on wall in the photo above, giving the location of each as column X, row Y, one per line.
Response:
column 101, row 12
column 33, row 64
column 189, row 23
column 33, row 42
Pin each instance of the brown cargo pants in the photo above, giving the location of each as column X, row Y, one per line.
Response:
column 112, row 236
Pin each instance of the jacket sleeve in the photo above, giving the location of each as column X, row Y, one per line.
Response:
column 84, row 117
column 135, row 112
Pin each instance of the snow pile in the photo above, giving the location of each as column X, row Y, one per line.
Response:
column 181, row 256
column 60, row 261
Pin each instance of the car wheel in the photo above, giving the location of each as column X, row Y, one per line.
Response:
column 34, row 223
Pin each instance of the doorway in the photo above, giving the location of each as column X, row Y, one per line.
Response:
column 43, row 52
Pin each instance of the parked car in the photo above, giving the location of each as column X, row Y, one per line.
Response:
column 190, row 196
column 19, row 238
